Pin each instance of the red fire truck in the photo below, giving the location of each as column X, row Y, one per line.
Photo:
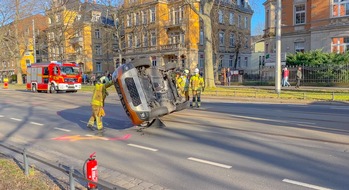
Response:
column 53, row 77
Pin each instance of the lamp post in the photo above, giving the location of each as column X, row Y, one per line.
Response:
column 278, row 48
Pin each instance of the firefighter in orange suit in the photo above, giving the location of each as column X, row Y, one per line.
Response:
column 97, row 103
column 197, row 86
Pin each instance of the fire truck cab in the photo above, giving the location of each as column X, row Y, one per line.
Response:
column 53, row 77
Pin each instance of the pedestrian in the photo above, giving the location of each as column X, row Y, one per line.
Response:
column 183, row 84
column 299, row 77
column 196, row 84
column 286, row 74
column 283, row 77
column 97, row 104
column 228, row 76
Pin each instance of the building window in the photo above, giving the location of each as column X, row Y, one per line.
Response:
column 145, row 40
column 201, row 61
column 231, row 40
column 98, row 67
column 246, row 42
column 267, row 18
column 239, row 62
column 299, row 47
column 153, row 61
column 246, row 62
column 201, row 37
column 239, row 21
column 231, row 61
column 97, row 33
column 153, row 38
column 246, row 23
column 340, row 45
column 138, row 41
column 340, row 8
column 231, row 18
column 221, row 38
column 299, row 14
column 152, row 14
column 130, row 40
column 144, row 17
column 220, row 16
column 98, row 50
column 137, row 19
column 129, row 21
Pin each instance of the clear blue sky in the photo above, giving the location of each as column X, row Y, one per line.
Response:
column 258, row 18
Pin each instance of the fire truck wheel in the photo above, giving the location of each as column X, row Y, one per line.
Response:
column 53, row 89
column 34, row 89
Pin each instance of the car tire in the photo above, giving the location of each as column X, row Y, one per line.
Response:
column 141, row 64
column 53, row 89
column 170, row 66
column 34, row 89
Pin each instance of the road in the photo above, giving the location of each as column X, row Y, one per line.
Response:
column 223, row 145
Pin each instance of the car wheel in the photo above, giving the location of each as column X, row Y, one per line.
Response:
column 170, row 66
column 53, row 89
column 141, row 64
column 34, row 89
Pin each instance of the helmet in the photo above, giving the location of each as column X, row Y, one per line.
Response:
column 103, row 79
column 196, row 71
column 186, row 71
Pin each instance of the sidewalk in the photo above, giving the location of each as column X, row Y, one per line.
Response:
column 290, row 88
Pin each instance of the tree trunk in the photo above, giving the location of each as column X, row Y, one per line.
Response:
column 17, row 51
column 209, row 76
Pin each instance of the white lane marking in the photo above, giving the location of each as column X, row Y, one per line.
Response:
column 1, row 116
column 143, row 147
column 16, row 119
column 339, row 108
column 274, row 120
column 209, row 162
column 34, row 123
column 305, row 184
column 61, row 129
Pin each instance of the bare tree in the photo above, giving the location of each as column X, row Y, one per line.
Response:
column 204, row 11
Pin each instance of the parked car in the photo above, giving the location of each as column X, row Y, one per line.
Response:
column 147, row 92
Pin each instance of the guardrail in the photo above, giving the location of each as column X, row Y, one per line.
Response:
column 102, row 185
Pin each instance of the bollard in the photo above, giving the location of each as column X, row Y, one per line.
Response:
column 25, row 160
column 5, row 83
column 332, row 96
column 304, row 96
column 71, row 178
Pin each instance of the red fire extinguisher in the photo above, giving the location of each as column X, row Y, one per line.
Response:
column 92, row 173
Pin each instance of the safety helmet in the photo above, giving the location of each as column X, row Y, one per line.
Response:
column 196, row 71
column 186, row 71
column 103, row 79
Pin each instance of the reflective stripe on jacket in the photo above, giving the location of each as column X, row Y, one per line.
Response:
column 100, row 93
column 196, row 82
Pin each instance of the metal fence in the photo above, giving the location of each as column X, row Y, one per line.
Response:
column 326, row 75
column 102, row 185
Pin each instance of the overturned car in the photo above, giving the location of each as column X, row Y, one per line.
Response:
column 147, row 92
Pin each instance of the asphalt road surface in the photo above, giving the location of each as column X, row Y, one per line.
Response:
column 223, row 145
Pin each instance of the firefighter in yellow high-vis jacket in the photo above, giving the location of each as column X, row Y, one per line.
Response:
column 196, row 86
column 183, row 84
column 97, row 103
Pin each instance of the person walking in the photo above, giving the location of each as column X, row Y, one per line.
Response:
column 197, row 86
column 97, row 104
column 228, row 76
column 299, row 77
column 286, row 74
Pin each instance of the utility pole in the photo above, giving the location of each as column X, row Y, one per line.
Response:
column 17, row 51
column 278, row 48
column 34, row 49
